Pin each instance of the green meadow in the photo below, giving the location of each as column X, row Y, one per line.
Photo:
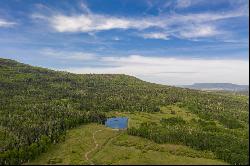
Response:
column 117, row 147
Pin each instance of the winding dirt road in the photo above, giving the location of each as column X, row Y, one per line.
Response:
column 96, row 146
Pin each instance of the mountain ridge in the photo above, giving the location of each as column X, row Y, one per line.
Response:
column 217, row 86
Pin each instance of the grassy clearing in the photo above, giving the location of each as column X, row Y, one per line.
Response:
column 136, row 118
column 135, row 150
column 119, row 148
column 78, row 142
column 135, row 156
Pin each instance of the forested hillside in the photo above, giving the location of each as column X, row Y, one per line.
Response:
column 38, row 105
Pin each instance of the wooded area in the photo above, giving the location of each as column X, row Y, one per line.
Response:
column 38, row 105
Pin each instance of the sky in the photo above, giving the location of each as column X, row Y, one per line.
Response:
column 172, row 42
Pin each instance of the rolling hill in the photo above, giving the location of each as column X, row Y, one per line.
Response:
column 38, row 106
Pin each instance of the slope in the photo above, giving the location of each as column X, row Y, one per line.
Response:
column 118, row 148
column 38, row 105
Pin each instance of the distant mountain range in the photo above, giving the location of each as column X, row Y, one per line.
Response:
column 218, row 87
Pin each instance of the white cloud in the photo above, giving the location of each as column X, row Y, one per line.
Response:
column 183, row 3
column 84, row 7
column 185, row 26
column 180, row 4
column 173, row 71
column 5, row 23
column 67, row 55
column 90, row 23
column 97, row 22
column 199, row 31
column 155, row 35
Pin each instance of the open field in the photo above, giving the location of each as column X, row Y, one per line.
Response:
column 116, row 147
column 78, row 142
column 136, row 118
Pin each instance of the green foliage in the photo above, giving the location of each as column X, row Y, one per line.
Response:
column 37, row 102
column 207, row 136
column 173, row 121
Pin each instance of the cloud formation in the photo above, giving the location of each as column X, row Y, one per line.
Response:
column 93, row 22
column 184, row 29
column 172, row 71
column 185, row 26
column 66, row 55
column 199, row 31
column 155, row 35
column 184, row 3
column 5, row 23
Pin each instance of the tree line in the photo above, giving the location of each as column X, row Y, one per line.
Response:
column 198, row 134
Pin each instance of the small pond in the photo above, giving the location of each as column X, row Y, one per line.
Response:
column 117, row 122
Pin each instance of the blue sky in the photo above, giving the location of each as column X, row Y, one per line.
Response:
column 170, row 42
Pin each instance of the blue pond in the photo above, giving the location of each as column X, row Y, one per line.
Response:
column 117, row 123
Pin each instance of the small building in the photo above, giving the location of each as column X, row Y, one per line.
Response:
column 117, row 123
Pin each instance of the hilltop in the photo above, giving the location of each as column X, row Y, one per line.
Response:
column 39, row 105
